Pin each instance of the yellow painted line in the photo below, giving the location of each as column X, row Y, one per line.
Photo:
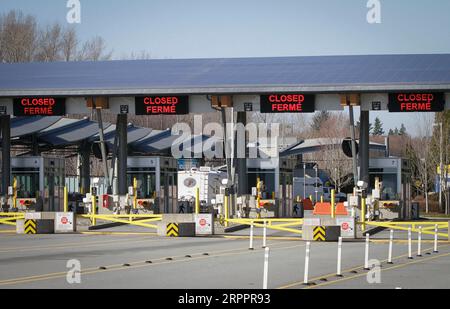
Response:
column 8, row 232
column 120, row 233
column 346, row 271
column 114, row 267
column 261, row 237
column 382, row 270
column 77, row 245
column 404, row 241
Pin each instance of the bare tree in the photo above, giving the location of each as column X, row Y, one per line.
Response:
column 69, row 44
column 50, row 44
column 94, row 50
column 18, row 37
column 332, row 159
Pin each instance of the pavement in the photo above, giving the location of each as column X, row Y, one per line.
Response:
column 130, row 259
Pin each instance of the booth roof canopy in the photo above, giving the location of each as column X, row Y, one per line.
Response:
column 57, row 132
column 319, row 144
column 234, row 75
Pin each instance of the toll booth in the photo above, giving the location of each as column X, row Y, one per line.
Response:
column 38, row 183
column 155, row 180
column 277, row 175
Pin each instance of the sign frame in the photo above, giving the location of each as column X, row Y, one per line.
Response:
column 59, row 106
column 410, row 98
column 307, row 102
column 181, row 107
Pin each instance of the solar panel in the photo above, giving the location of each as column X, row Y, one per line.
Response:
column 216, row 73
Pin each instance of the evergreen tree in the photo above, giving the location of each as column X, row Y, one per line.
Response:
column 402, row 130
column 378, row 127
column 391, row 132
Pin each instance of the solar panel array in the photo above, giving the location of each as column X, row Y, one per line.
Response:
column 431, row 69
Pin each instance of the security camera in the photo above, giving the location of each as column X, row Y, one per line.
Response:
column 361, row 184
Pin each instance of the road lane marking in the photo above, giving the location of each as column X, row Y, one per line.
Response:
column 382, row 270
column 346, row 271
column 118, row 267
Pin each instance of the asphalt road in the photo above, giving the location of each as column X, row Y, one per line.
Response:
column 136, row 261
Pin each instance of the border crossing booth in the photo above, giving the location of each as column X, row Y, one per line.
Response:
column 277, row 176
column 38, row 183
column 154, row 180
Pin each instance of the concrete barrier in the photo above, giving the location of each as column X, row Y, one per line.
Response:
column 331, row 233
column 174, row 218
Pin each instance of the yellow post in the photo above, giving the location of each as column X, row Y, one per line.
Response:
column 15, row 192
column 310, row 198
column 135, row 193
column 197, row 200
column 321, row 199
column 363, row 213
column 66, row 200
column 225, row 209
column 94, row 210
column 333, row 208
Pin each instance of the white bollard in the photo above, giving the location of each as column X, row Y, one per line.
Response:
column 391, row 245
column 265, row 235
column 266, row 268
column 366, row 259
column 419, row 243
column 409, row 244
column 339, row 258
column 308, row 250
column 436, row 230
column 251, row 237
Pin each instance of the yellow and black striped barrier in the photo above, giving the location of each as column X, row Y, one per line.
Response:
column 30, row 227
column 319, row 233
column 172, row 230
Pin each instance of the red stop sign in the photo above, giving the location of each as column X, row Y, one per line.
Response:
column 202, row 222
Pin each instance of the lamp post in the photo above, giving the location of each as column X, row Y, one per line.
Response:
column 304, row 181
column 441, row 163
column 317, row 176
column 425, row 187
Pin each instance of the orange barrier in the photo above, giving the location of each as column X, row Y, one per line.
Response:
column 325, row 209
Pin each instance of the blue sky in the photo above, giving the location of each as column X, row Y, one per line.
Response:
column 255, row 28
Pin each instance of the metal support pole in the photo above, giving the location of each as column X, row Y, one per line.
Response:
column 6, row 156
column 66, row 200
column 241, row 163
column 226, row 210
column 366, row 256
column 363, row 213
column 85, row 168
column 122, row 153
column 94, row 210
column 266, row 268
column 353, row 136
column 304, row 181
column 265, row 235
column 391, row 242
column 441, row 166
column 436, row 230
column 333, row 202
column 102, row 143
column 134, row 193
column 419, row 243
column 197, row 202
column 307, row 253
column 339, row 258
column 364, row 147
column 409, row 244
column 251, row 237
